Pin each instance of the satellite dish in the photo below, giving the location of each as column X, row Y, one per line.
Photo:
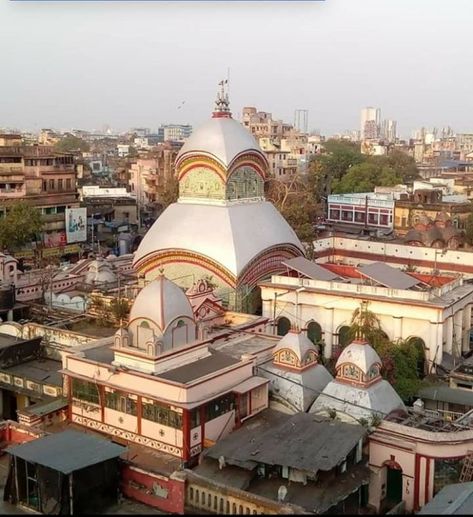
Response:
column 282, row 493
column 221, row 462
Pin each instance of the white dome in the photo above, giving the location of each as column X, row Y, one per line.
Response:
column 361, row 354
column 223, row 138
column 297, row 342
column 99, row 272
column 162, row 302
column 225, row 238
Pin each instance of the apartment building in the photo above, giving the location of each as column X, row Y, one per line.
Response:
column 148, row 176
column 44, row 178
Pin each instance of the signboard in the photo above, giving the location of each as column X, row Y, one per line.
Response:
column 54, row 239
column 76, row 224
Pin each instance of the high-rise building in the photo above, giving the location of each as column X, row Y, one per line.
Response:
column 370, row 123
column 389, row 130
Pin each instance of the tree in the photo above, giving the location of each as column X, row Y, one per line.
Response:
column 365, row 177
column 20, row 226
column 324, row 169
column 168, row 193
column 399, row 359
column 71, row 143
column 119, row 307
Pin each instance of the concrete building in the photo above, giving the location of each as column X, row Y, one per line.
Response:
column 150, row 176
column 41, row 177
column 434, row 314
column 413, row 457
column 365, row 210
column 370, row 124
column 389, row 131
column 174, row 132
column 158, row 385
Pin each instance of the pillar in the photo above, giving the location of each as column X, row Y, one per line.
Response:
column 10, row 315
column 186, row 435
column 435, row 345
column 449, row 334
column 397, row 327
column 466, row 328
column 457, row 333
column 328, row 333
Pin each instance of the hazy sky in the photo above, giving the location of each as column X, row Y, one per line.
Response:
column 83, row 64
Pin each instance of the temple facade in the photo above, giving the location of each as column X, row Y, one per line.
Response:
column 221, row 228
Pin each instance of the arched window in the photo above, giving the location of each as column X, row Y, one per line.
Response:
column 284, row 326
column 314, row 332
column 181, row 323
column 344, row 335
column 419, row 344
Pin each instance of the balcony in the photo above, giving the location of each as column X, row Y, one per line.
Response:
column 9, row 193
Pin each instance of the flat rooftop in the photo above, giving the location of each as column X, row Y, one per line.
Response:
column 40, row 370
column 247, row 343
column 200, row 368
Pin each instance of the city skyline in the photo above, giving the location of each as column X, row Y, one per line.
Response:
column 89, row 65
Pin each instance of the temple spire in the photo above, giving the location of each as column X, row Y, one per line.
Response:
column 222, row 103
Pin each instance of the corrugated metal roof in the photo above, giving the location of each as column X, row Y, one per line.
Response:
column 388, row 276
column 310, row 269
column 302, row 441
column 456, row 499
column 447, row 394
column 68, row 451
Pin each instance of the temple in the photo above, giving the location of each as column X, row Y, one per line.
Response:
column 221, row 228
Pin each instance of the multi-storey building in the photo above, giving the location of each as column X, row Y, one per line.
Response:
column 389, row 130
column 370, row 123
column 149, row 175
column 286, row 149
column 174, row 132
column 261, row 124
column 43, row 178
column 282, row 165
column 366, row 209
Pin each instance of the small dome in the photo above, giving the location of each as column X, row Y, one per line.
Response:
column 99, row 272
column 425, row 219
column 442, row 217
column 433, row 234
column 360, row 354
column 161, row 302
column 222, row 138
column 414, row 235
column 295, row 349
column 449, row 232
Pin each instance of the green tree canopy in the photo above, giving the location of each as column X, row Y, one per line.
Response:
column 71, row 143
column 365, row 177
column 399, row 359
column 20, row 226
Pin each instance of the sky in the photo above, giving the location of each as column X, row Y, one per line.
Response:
column 85, row 64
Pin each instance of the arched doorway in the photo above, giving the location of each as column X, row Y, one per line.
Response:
column 284, row 326
column 344, row 336
column 393, row 485
column 419, row 345
column 314, row 332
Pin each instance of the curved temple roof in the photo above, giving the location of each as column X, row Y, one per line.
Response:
column 223, row 138
column 231, row 235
